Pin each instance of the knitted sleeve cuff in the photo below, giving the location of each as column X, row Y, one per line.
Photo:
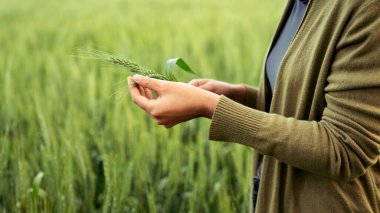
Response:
column 234, row 122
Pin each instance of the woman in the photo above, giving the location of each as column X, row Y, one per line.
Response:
column 315, row 121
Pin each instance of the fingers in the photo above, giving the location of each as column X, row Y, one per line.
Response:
column 143, row 97
column 166, row 124
column 198, row 82
column 141, row 90
column 148, row 93
column 145, row 92
column 205, row 84
column 147, row 82
column 169, row 125
column 139, row 98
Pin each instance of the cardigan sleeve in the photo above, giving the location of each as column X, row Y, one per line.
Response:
column 346, row 141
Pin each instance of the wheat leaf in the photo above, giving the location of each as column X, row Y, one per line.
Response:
column 170, row 65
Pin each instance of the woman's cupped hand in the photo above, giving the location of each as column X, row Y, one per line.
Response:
column 173, row 102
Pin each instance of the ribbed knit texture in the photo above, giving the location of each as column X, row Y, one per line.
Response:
column 321, row 138
column 236, row 112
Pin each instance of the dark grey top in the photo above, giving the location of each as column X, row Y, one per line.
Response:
column 274, row 59
column 280, row 47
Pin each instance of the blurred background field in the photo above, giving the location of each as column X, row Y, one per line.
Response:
column 71, row 120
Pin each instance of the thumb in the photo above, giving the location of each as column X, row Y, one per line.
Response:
column 147, row 82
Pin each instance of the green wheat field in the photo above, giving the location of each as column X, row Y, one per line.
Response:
column 71, row 140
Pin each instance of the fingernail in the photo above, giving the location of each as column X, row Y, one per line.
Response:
column 137, row 77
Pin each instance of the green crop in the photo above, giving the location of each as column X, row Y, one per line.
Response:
column 66, row 146
column 136, row 68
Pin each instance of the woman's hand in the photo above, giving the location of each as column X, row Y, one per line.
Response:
column 235, row 92
column 176, row 102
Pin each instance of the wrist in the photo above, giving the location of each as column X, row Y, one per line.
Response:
column 209, row 104
column 239, row 93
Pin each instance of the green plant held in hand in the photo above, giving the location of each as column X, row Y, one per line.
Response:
column 98, row 153
column 137, row 69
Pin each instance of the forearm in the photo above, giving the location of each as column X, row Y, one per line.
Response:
column 317, row 147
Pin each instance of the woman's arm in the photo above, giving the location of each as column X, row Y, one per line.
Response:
column 346, row 141
column 240, row 93
column 179, row 102
column 341, row 146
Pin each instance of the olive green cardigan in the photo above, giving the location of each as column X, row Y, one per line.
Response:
column 320, row 140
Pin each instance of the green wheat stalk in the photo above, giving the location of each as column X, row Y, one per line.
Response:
column 125, row 63
column 137, row 69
